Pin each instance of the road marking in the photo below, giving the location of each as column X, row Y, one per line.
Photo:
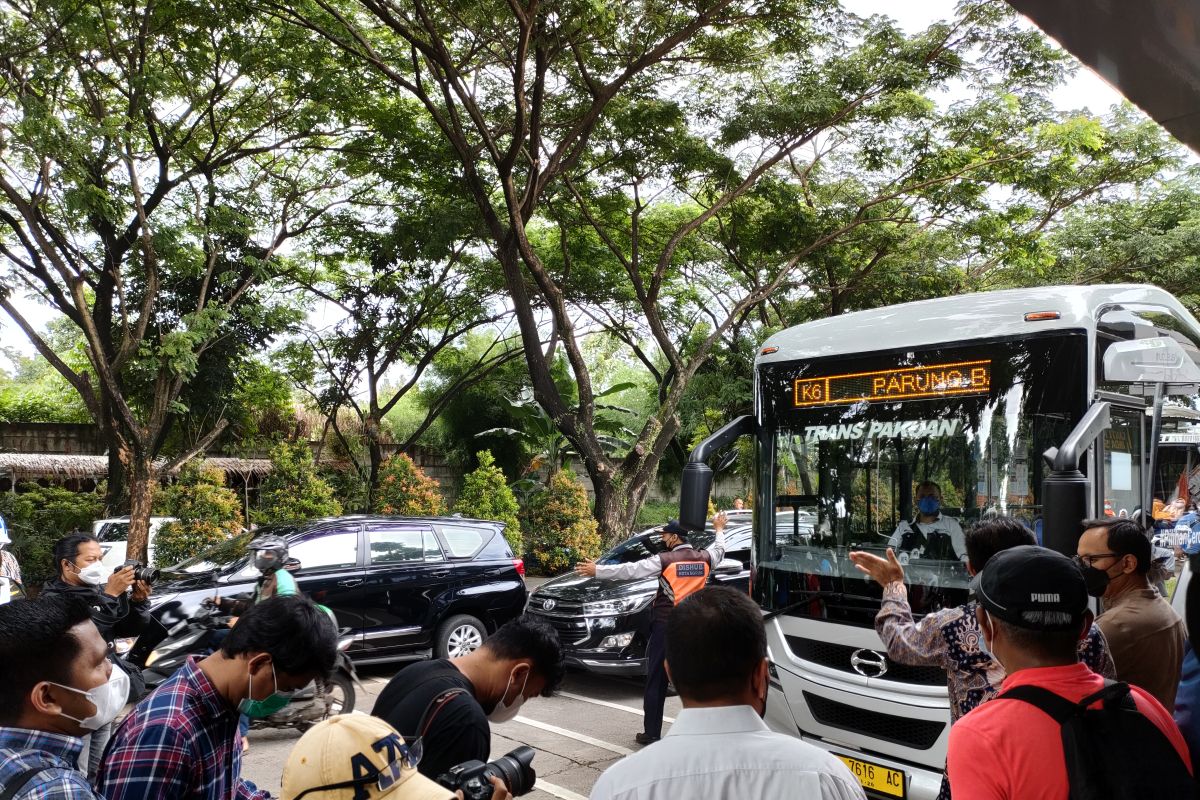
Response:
column 579, row 737
column 558, row 791
column 608, row 704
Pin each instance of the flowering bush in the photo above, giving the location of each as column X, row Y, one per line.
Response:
column 405, row 490
column 485, row 495
column 561, row 529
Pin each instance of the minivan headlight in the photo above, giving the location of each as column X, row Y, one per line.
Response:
column 621, row 605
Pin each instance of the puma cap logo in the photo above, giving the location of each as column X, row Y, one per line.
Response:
column 1044, row 597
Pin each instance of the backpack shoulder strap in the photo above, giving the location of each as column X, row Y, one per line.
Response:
column 1059, row 708
column 20, row 781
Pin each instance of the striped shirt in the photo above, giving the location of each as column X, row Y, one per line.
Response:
column 180, row 743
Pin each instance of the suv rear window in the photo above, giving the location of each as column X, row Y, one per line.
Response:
column 475, row 541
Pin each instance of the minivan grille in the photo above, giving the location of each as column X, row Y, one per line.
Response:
column 571, row 629
column 837, row 656
column 915, row 733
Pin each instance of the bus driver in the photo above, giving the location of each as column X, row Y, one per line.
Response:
column 931, row 534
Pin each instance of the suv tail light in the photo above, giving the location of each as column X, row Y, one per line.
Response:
column 519, row 564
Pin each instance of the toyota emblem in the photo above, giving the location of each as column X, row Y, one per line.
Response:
column 548, row 605
column 868, row 663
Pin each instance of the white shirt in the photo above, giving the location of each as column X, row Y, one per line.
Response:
column 727, row 752
column 943, row 524
column 651, row 565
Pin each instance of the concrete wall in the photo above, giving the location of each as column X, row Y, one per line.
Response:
column 51, row 437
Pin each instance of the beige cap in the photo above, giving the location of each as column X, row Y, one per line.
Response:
column 349, row 746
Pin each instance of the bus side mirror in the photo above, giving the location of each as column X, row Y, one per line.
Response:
column 694, row 489
column 1160, row 359
column 697, row 480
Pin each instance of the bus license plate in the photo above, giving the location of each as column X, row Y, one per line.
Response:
column 876, row 778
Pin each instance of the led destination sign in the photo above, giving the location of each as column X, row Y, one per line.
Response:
column 907, row 383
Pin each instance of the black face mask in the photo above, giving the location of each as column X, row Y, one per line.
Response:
column 1097, row 581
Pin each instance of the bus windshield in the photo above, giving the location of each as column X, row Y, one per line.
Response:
column 856, row 441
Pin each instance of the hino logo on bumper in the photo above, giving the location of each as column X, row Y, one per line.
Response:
column 868, row 663
column 548, row 605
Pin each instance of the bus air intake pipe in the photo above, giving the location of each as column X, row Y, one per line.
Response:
column 697, row 480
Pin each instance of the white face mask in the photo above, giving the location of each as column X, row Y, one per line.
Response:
column 503, row 713
column 96, row 574
column 984, row 647
column 108, row 698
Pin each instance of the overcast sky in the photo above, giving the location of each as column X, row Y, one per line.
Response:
column 1084, row 90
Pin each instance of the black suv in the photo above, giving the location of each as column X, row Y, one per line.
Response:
column 604, row 624
column 411, row 587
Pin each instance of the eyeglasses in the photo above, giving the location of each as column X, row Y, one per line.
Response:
column 1090, row 560
column 384, row 778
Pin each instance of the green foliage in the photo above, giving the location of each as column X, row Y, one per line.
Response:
column 294, row 491
column 349, row 487
column 560, row 527
column 38, row 516
column 405, row 490
column 485, row 495
column 208, row 513
column 655, row 512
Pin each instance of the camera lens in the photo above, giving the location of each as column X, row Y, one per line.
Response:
column 147, row 574
column 515, row 769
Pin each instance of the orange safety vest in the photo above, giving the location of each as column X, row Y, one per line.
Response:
column 685, row 571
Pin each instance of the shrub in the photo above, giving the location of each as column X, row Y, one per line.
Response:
column 293, row 491
column 405, row 490
column 38, row 516
column 208, row 513
column 485, row 495
column 561, row 528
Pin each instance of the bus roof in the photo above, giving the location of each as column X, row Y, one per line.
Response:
column 962, row 318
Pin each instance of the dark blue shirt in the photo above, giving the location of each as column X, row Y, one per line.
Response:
column 22, row 749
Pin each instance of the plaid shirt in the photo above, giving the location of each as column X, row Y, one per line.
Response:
column 180, row 743
column 22, row 749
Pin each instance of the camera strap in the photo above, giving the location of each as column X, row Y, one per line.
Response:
column 435, row 706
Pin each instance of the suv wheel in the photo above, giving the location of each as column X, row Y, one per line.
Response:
column 460, row 635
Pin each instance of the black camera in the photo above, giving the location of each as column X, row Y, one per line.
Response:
column 141, row 572
column 514, row 769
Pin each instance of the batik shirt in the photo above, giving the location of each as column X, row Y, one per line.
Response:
column 950, row 639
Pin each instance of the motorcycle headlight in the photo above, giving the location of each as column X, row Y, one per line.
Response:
column 621, row 605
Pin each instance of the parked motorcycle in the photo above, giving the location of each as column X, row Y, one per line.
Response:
column 193, row 637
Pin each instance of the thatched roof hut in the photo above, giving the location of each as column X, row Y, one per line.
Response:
column 34, row 466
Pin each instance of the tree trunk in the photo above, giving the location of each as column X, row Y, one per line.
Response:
column 617, row 505
column 114, row 498
column 141, row 497
column 375, row 452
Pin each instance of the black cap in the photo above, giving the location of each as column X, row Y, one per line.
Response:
column 674, row 527
column 1029, row 578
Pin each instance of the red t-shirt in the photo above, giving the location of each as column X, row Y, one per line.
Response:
column 1010, row 750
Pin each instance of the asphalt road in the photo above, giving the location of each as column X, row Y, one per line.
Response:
column 579, row 732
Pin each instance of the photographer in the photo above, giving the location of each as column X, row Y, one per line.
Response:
column 119, row 605
column 449, row 704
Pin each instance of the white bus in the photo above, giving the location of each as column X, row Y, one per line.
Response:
column 1030, row 403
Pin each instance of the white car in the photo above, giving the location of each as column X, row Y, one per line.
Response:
column 113, row 534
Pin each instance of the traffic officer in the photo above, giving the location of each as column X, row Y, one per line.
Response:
column 681, row 570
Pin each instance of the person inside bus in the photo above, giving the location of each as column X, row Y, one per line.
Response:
column 931, row 534
column 950, row 638
column 1145, row 634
